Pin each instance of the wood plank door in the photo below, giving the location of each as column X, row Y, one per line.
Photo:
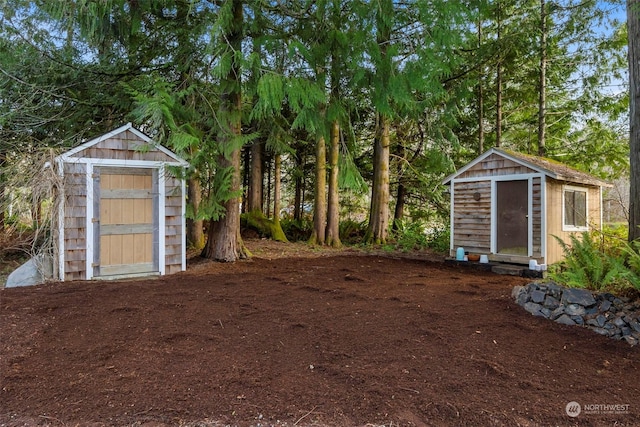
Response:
column 512, row 217
column 127, row 222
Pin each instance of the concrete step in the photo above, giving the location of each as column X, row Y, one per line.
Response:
column 498, row 268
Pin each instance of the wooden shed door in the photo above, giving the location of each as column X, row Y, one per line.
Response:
column 512, row 221
column 126, row 222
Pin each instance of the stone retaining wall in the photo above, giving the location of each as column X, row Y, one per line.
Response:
column 604, row 313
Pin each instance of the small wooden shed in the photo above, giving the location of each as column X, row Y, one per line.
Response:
column 509, row 206
column 122, row 212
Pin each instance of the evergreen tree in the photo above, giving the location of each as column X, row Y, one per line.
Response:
column 633, row 25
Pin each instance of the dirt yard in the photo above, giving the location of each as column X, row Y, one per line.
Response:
column 307, row 338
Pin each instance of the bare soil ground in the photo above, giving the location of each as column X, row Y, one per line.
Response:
column 298, row 336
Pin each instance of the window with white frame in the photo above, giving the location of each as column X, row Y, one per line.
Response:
column 575, row 208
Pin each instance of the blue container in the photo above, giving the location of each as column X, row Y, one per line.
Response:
column 460, row 254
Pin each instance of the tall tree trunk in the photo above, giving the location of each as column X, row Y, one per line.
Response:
column 254, row 196
column 480, row 95
column 401, row 191
column 224, row 242
column 333, row 209
column 246, row 177
column 299, row 180
column 3, row 204
column 195, row 232
column 379, row 213
column 633, row 27
column 499, row 83
column 542, row 84
column 320, row 202
column 276, row 189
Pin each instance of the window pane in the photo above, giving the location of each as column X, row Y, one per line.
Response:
column 569, row 213
column 580, row 207
column 575, row 208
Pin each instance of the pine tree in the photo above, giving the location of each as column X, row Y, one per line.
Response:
column 633, row 25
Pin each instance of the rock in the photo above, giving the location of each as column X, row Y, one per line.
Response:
column 631, row 340
column 33, row 272
column 533, row 308
column 557, row 313
column 601, row 331
column 601, row 319
column 523, row 298
column 516, row 291
column 565, row 320
column 593, row 322
column 555, row 290
column 578, row 296
column 619, row 322
column 575, row 310
column 551, row 302
column 533, row 286
column 625, row 331
column 578, row 319
column 537, row 296
column 635, row 325
column 545, row 312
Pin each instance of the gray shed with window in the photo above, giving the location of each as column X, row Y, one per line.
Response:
column 509, row 205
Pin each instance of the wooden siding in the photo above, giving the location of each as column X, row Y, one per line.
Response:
column 75, row 217
column 472, row 218
column 124, row 146
column 495, row 165
column 554, row 217
column 173, row 225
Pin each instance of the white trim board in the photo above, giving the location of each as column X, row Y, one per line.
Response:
column 121, row 129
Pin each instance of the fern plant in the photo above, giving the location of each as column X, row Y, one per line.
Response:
column 588, row 266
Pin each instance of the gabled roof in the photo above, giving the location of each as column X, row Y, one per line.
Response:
column 128, row 127
column 543, row 165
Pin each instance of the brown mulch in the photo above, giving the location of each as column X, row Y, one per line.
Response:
column 307, row 337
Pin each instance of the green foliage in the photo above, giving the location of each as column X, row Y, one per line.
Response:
column 352, row 232
column 297, row 230
column 588, row 265
column 410, row 236
column 264, row 226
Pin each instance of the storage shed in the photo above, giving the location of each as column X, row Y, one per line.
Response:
column 509, row 206
column 122, row 212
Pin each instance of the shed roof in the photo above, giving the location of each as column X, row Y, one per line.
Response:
column 548, row 167
column 167, row 155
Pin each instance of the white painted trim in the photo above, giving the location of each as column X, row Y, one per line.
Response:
column 61, row 203
column 543, row 218
column 162, row 241
column 184, row 225
column 451, row 206
column 571, row 228
column 89, row 223
column 98, row 140
column 122, row 163
column 494, row 217
column 121, row 129
column 488, row 153
column 512, row 177
column 601, row 209
column 530, row 217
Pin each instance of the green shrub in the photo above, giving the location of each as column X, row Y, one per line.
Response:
column 352, row 232
column 439, row 239
column 296, row 230
column 590, row 264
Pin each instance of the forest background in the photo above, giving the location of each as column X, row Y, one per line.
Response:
column 321, row 120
